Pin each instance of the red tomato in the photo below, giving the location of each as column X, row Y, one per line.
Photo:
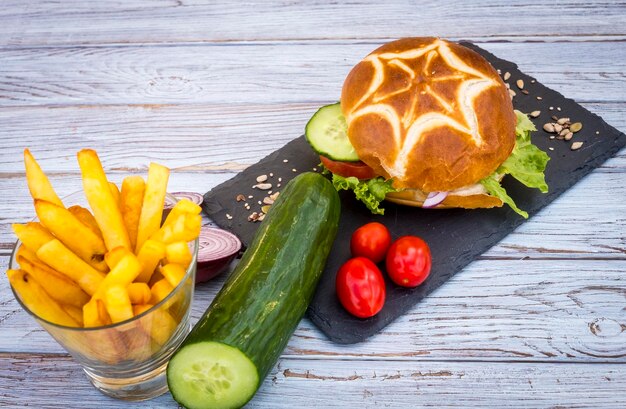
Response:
column 370, row 240
column 347, row 169
column 408, row 261
column 360, row 287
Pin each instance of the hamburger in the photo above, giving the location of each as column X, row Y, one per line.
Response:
column 426, row 122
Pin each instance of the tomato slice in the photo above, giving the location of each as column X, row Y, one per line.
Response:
column 348, row 169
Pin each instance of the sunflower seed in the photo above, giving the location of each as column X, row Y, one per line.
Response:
column 535, row 114
column 263, row 186
column 576, row 145
column 568, row 136
column 576, row 126
column 558, row 128
column 549, row 127
column 520, row 84
column 507, row 75
column 268, row 201
column 512, row 93
column 261, row 178
column 562, row 121
column 525, row 92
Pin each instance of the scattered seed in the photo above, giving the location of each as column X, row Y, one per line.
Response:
column 285, row 160
column 498, row 71
column 551, row 108
column 506, row 84
column 554, row 118
column 314, row 169
column 274, row 196
column 265, row 208
column 294, row 170
column 271, row 175
column 525, row 92
column 532, row 81
column 250, row 197
column 263, row 186
column 558, row 128
column 551, row 148
column 520, row 84
column 261, row 178
column 548, row 127
column 552, row 137
column 278, row 185
column 576, row 126
column 568, row 136
column 558, row 108
column 539, row 98
column 576, row 145
column 562, row 121
column 261, row 217
column 240, row 198
column 254, row 216
column 280, row 179
column 535, row 114
column 267, row 201
column 597, row 132
column 560, row 137
column 229, row 217
column 507, row 75
column 512, row 93
column 247, row 206
column 564, row 132
column 259, row 202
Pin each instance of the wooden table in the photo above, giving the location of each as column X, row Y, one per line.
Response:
column 209, row 89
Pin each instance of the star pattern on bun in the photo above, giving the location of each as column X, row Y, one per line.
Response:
column 430, row 72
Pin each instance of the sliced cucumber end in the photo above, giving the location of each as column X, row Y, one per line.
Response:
column 327, row 133
column 211, row 375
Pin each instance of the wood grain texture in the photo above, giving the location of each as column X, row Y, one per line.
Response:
column 172, row 21
column 243, row 73
column 363, row 384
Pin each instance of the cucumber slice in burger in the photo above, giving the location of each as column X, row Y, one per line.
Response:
column 327, row 133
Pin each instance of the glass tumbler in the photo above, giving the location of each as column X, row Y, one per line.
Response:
column 127, row 360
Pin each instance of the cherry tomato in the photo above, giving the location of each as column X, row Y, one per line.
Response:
column 370, row 240
column 408, row 261
column 360, row 287
column 347, row 169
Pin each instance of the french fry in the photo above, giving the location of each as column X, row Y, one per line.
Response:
column 124, row 273
column 38, row 183
column 184, row 227
column 173, row 273
column 179, row 253
column 118, row 304
column 37, row 300
column 153, row 201
column 101, row 200
column 131, row 200
column 32, row 235
column 60, row 258
column 85, row 216
column 115, row 191
column 149, row 256
column 139, row 293
column 58, row 286
column 160, row 290
column 27, row 254
column 114, row 256
column 182, row 206
column 160, row 325
column 95, row 314
column 75, row 312
column 73, row 233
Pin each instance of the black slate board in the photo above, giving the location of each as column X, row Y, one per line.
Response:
column 456, row 236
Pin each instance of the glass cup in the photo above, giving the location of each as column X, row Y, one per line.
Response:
column 127, row 360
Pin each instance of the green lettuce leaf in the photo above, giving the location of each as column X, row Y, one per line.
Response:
column 527, row 164
column 371, row 192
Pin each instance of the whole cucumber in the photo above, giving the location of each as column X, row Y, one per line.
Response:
column 231, row 349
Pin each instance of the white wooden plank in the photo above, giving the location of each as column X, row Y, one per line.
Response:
column 267, row 73
column 199, row 138
column 590, row 231
column 42, row 381
column 513, row 310
column 143, row 21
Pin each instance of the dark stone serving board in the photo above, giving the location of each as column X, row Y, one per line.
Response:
column 456, row 236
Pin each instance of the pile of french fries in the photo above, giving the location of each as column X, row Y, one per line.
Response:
column 82, row 268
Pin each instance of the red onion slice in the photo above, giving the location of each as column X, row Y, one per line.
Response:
column 217, row 248
column 433, row 199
